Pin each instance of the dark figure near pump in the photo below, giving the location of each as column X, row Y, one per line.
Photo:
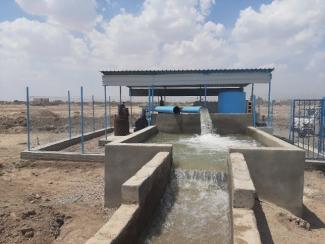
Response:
column 121, row 121
column 141, row 122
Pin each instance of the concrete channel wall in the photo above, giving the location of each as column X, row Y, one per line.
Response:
column 126, row 156
column 52, row 151
column 62, row 144
column 242, row 192
column 191, row 124
column 277, row 170
column 177, row 123
column 140, row 195
column 231, row 123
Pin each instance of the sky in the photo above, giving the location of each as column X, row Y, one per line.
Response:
column 57, row 45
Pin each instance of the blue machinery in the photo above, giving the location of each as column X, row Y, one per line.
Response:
column 307, row 126
column 232, row 102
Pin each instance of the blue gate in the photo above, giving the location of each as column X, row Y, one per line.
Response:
column 307, row 127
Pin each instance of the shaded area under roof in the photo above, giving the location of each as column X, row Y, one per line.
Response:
column 181, row 91
column 215, row 77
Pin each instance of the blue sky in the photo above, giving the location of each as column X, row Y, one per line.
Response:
column 62, row 44
column 224, row 11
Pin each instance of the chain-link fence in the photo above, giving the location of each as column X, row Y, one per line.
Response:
column 56, row 118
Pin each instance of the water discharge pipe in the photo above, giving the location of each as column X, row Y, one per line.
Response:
column 168, row 109
column 191, row 109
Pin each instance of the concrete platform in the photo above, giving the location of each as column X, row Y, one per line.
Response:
column 102, row 141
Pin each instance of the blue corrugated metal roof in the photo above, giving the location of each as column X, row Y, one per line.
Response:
column 182, row 71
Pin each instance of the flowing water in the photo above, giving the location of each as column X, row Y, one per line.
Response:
column 195, row 206
column 206, row 122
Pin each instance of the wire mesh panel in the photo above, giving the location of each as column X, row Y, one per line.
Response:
column 47, row 119
column 307, row 127
column 57, row 118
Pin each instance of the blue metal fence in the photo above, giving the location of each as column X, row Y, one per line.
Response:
column 307, row 127
column 49, row 119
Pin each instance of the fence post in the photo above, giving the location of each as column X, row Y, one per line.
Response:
column 28, row 119
column 109, row 112
column 105, row 111
column 82, row 119
column 152, row 102
column 291, row 122
column 254, row 110
column 205, row 96
column 93, row 102
column 148, row 114
column 131, row 112
column 69, row 115
column 321, row 126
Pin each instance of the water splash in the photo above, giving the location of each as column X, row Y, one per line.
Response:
column 218, row 143
column 194, row 209
column 206, row 122
column 201, row 176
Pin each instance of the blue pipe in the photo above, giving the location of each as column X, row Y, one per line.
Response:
column 168, row 109
column 191, row 109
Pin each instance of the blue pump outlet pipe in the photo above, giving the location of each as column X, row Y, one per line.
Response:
column 191, row 109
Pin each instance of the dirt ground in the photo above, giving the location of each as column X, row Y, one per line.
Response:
column 46, row 201
column 279, row 226
column 62, row 202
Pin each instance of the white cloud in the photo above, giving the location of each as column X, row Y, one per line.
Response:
column 73, row 14
column 287, row 34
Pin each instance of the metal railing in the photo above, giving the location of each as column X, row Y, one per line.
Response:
column 307, row 127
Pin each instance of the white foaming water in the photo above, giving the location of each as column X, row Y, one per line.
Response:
column 194, row 209
column 216, row 142
column 206, row 122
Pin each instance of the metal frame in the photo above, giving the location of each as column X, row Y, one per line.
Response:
column 307, row 127
column 186, row 77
